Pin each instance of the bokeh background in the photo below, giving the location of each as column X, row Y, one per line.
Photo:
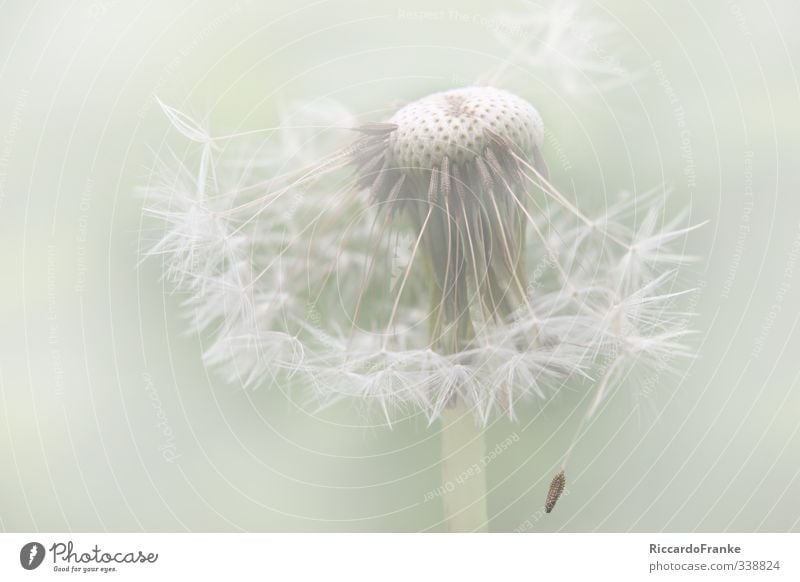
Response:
column 109, row 421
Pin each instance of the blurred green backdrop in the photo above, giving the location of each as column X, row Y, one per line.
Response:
column 108, row 421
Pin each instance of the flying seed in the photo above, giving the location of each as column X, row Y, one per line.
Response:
column 556, row 489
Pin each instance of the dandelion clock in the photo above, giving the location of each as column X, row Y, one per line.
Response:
column 422, row 262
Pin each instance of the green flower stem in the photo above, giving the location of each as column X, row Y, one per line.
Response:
column 463, row 475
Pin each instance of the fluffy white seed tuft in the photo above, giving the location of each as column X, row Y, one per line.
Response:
column 290, row 270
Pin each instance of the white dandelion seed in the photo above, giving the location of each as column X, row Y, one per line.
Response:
column 559, row 41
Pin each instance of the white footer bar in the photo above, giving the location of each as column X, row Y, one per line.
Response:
column 396, row 557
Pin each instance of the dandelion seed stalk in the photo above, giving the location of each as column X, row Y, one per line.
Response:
column 463, row 479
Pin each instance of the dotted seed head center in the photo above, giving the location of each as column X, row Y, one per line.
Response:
column 454, row 123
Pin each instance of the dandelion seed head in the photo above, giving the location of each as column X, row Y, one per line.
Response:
column 417, row 264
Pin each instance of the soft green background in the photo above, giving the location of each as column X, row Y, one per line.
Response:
column 97, row 374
